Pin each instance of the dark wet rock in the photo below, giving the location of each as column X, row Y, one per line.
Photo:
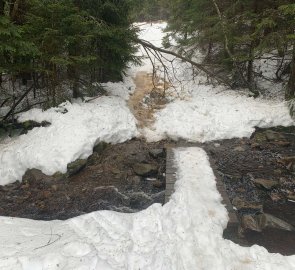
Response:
column 282, row 143
column 145, row 169
column 259, row 137
column 276, row 196
column 139, row 200
column 266, row 183
column 261, row 221
column 76, row 166
column 274, row 222
column 273, row 136
column 3, row 133
column 138, row 158
column 255, row 145
column 134, row 180
column 17, row 129
column 34, row 176
column 16, row 132
column 158, row 184
column 59, row 176
column 93, row 159
column 28, row 125
column 240, row 203
column 100, row 147
column 158, row 197
column 157, row 153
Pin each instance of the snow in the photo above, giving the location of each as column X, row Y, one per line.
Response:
column 200, row 112
column 75, row 129
column 209, row 115
column 185, row 233
column 120, row 89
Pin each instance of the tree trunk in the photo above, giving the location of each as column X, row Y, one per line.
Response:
column 250, row 67
column 290, row 90
column 2, row 6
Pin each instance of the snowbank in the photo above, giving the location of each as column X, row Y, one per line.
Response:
column 209, row 115
column 120, row 89
column 201, row 112
column 75, row 129
column 186, row 233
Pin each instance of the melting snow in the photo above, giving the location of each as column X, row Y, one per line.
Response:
column 75, row 129
column 185, row 233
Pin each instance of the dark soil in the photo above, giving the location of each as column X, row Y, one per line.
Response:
column 108, row 182
column 240, row 161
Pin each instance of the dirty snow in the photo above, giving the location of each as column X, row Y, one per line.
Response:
column 185, row 233
column 75, row 129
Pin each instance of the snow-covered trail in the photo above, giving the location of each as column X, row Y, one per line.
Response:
column 186, row 233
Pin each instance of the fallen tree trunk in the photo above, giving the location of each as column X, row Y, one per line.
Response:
column 199, row 66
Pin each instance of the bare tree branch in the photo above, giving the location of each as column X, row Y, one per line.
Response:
column 199, row 66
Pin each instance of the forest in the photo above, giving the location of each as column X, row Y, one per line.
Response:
column 58, row 49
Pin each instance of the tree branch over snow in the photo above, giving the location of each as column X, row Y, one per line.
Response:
column 199, row 66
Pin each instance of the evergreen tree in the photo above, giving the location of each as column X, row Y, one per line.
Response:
column 234, row 34
column 55, row 42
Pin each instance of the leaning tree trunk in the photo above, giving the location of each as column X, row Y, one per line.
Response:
column 290, row 89
column 2, row 6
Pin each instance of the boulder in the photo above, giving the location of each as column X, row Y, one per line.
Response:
column 100, row 147
column 76, row 166
column 145, row 169
column 261, row 221
column 266, row 183
column 34, row 176
column 15, row 132
column 282, row 143
column 273, row 136
column 140, row 200
column 157, row 153
column 259, row 137
column 134, row 180
column 3, row 133
column 158, row 184
column 240, row 203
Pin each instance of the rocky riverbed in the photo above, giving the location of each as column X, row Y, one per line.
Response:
column 259, row 175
